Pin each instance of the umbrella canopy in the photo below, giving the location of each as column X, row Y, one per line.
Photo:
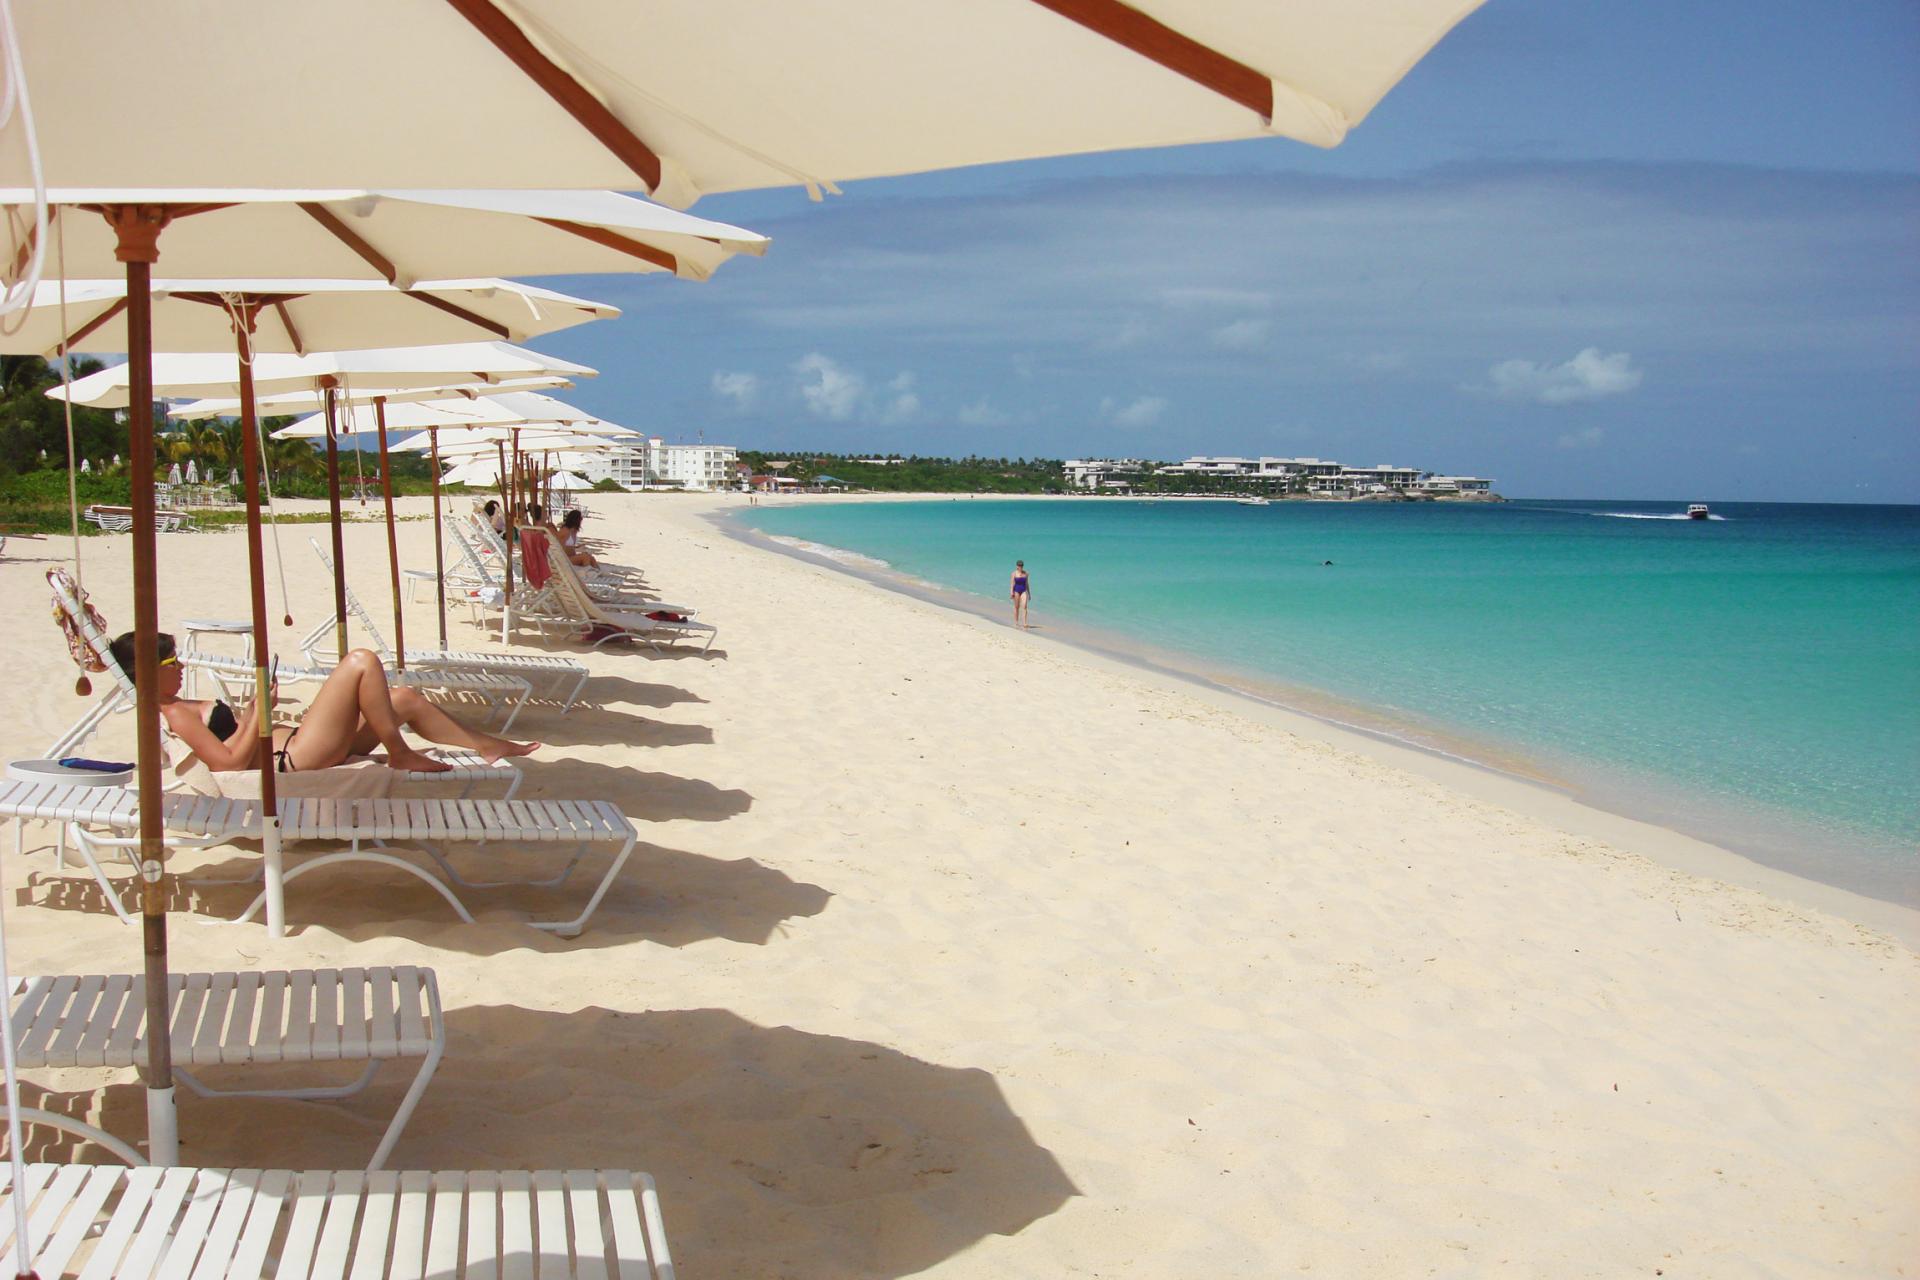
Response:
column 361, row 392
column 504, row 410
column 396, row 237
column 683, row 97
column 485, row 442
column 297, row 315
column 209, row 374
column 568, row 482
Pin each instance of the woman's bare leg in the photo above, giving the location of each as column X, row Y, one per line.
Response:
column 354, row 694
column 435, row 725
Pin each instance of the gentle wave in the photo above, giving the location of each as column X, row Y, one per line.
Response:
column 839, row 555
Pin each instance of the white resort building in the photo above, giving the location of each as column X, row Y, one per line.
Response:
column 651, row 463
column 1319, row 476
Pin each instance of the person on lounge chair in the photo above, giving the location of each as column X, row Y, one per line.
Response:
column 569, row 536
column 353, row 713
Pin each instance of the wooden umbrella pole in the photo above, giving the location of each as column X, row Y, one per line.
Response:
column 139, row 229
column 506, row 500
column 393, row 539
column 333, row 511
column 257, row 575
column 439, row 549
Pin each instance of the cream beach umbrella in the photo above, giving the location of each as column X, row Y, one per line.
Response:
column 296, row 316
column 286, row 402
column 682, row 97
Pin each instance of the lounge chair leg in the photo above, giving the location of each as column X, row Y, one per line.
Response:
column 572, row 928
column 414, row 1091
column 317, row 1094
column 81, row 1129
column 439, row 886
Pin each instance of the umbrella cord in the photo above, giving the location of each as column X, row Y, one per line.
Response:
column 266, row 472
column 18, row 294
column 82, row 686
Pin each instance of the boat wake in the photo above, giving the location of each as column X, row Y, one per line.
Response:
column 1651, row 515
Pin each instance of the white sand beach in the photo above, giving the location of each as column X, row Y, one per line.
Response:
column 951, row 950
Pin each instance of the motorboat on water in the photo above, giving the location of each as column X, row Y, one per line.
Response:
column 1697, row 511
column 1253, row 501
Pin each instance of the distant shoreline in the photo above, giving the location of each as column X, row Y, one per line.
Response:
column 1469, row 765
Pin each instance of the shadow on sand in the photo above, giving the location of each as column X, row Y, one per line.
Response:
column 777, row 1152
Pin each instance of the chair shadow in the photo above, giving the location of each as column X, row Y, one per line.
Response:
column 613, row 691
column 642, row 794
column 670, row 897
column 619, row 728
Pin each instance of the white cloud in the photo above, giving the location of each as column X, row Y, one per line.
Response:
column 1588, row 439
column 981, row 414
column 741, row 388
column 1243, row 335
column 829, row 389
column 904, row 403
column 1141, row 412
column 1588, row 376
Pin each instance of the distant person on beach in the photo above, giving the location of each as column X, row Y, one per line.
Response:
column 1021, row 590
column 495, row 517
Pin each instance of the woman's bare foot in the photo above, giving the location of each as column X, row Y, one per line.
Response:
column 501, row 748
column 410, row 761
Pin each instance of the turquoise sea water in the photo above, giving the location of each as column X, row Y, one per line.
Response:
column 1753, row 679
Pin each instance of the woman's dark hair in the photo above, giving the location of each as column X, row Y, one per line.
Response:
column 533, row 513
column 491, row 507
column 573, row 519
column 121, row 647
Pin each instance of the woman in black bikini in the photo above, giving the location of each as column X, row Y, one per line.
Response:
column 353, row 713
column 1022, row 591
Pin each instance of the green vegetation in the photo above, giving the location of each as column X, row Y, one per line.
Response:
column 912, row 474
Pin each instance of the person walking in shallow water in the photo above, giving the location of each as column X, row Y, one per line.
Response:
column 1021, row 590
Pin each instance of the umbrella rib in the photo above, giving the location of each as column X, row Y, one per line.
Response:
column 293, row 334
column 618, row 243
column 568, row 93
column 1155, row 40
column 345, row 235
column 461, row 313
column 79, row 335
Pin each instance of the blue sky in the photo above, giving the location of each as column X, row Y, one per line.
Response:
column 1589, row 249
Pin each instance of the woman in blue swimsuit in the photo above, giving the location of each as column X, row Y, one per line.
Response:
column 1022, row 591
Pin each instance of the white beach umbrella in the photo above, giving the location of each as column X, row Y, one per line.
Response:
column 211, row 374
column 681, row 97
column 296, row 315
column 568, row 482
column 508, row 409
column 396, row 237
column 193, row 471
column 173, row 474
column 360, row 392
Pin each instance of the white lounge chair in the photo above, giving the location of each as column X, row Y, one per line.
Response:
column 276, row 1224
column 105, row 819
column 565, row 677
column 468, row 768
column 120, row 519
column 605, row 623
column 235, row 1019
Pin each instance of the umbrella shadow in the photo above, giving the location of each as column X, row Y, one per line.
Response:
column 612, row 691
column 777, row 1151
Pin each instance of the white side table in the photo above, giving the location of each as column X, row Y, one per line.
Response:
column 54, row 771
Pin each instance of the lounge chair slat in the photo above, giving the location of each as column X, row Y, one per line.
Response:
column 353, row 1014
column 97, row 1183
column 410, row 1226
column 241, row 1036
column 311, row 1193
column 326, row 1015
column 376, row 1226
column 444, row 1229
column 143, row 1187
column 221, row 1237
column 516, row 1226
column 271, row 1189
column 382, row 1041
column 483, row 1226
column 550, row 1221
column 332, row 1252
column 630, row 1246
column 589, row 1244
